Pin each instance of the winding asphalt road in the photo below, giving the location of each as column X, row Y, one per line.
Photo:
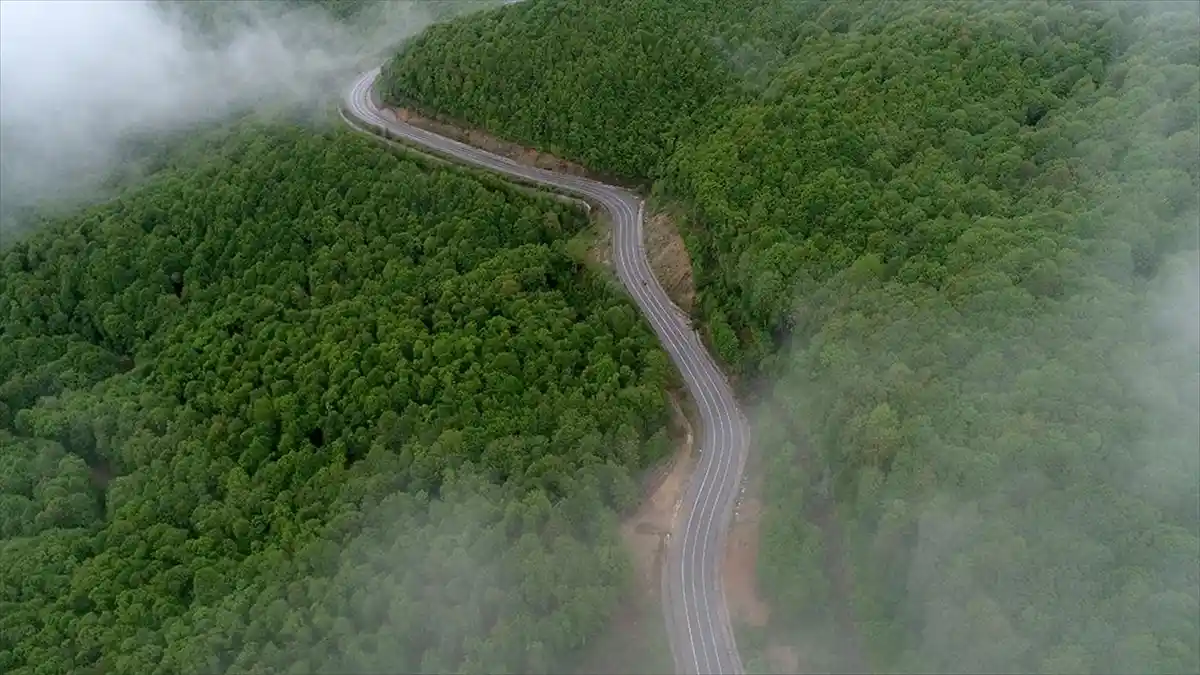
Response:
column 694, row 605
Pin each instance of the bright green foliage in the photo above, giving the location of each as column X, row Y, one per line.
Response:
column 947, row 235
column 892, row 143
column 308, row 407
column 611, row 83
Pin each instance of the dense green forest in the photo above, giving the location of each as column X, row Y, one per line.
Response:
column 304, row 406
column 955, row 247
column 614, row 84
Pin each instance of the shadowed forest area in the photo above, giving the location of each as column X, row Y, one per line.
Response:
column 952, row 250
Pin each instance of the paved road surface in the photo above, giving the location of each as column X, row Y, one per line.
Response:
column 693, row 600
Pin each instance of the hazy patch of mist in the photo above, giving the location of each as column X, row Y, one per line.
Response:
column 972, row 558
column 1050, row 524
column 469, row 581
column 958, row 577
column 78, row 76
column 1166, row 381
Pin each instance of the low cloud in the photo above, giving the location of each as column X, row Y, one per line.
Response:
column 76, row 77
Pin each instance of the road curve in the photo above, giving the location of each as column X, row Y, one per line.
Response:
column 694, row 607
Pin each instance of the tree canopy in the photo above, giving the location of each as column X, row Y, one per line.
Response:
column 303, row 406
column 954, row 247
column 615, row 84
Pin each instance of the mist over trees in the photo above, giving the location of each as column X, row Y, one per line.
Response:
column 297, row 405
column 952, row 250
column 294, row 404
column 79, row 77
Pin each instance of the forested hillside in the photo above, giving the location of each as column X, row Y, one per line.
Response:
column 615, row 84
column 307, row 407
column 954, row 247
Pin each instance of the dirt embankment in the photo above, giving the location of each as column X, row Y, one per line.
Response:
column 741, row 561
column 669, row 259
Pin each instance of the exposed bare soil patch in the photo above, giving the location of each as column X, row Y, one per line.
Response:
column 741, row 559
column 669, row 259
